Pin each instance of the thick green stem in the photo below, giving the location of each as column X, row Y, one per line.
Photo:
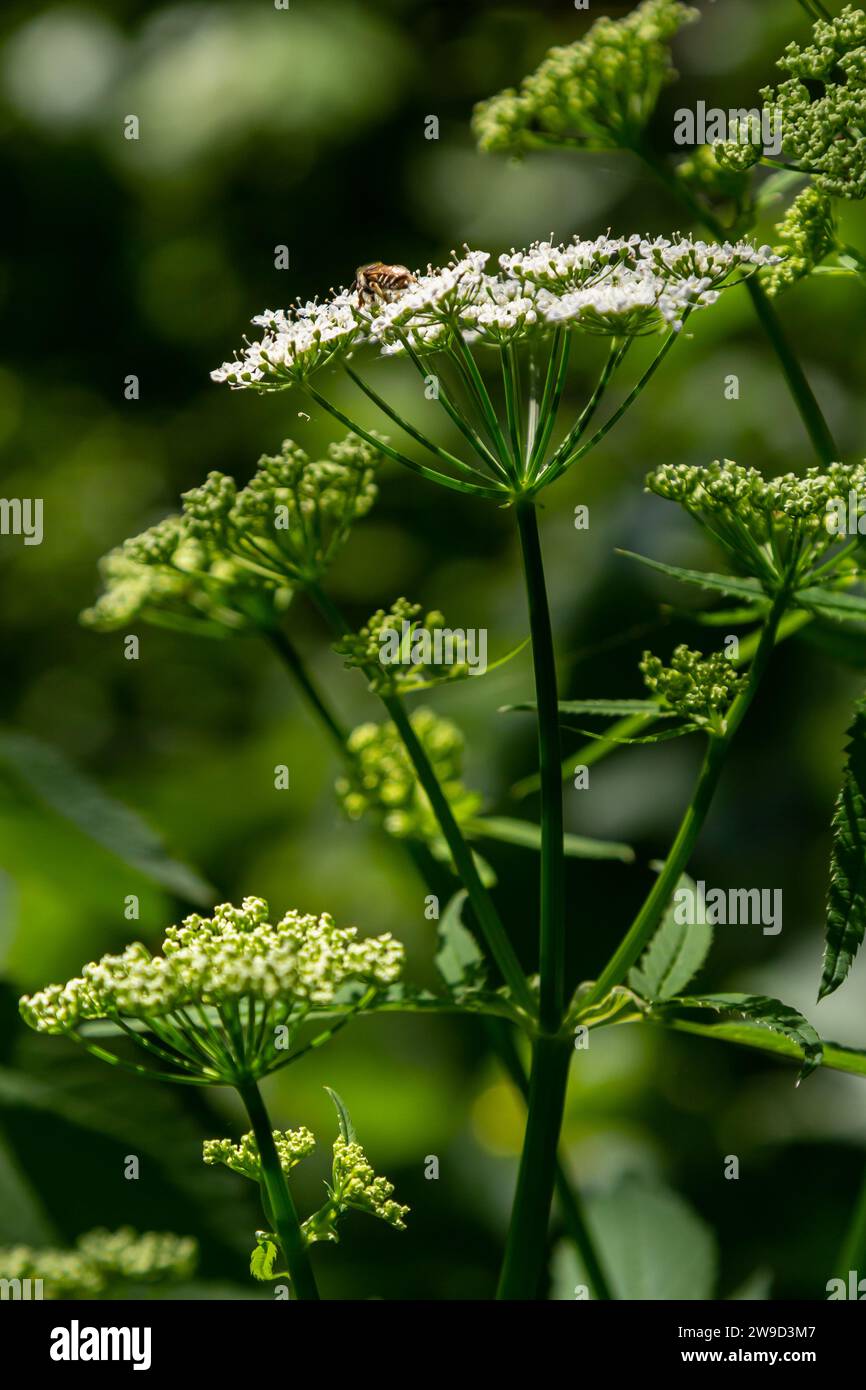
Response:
column 281, row 1208
column 526, row 1248
column 573, row 1219
column 638, row 935
column 552, row 899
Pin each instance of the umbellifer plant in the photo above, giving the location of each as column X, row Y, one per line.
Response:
column 208, row 1010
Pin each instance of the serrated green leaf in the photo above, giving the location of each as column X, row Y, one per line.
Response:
column 735, row 586
column 652, row 1245
column 675, row 954
column 53, row 780
column 528, row 835
column 459, row 959
column 846, row 899
column 767, row 1013
column 264, row 1258
column 344, row 1119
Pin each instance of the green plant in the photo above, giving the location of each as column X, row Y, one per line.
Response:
column 210, row 1009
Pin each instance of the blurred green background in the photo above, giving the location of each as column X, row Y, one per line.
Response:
column 262, row 127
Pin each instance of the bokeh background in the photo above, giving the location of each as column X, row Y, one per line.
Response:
column 262, row 127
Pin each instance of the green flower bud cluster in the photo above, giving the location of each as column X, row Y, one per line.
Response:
column 384, row 781
column 293, row 516
column 396, row 650
column 700, row 689
column 169, row 578
column 767, row 525
column 807, row 233
column 102, row 1259
column 291, row 1145
column 255, row 976
column 354, row 1184
column 737, row 156
column 822, row 103
column 599, row 91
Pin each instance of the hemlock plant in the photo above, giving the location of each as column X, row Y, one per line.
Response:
column 235, row 996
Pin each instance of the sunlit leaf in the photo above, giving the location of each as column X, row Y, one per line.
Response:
column 675, row 954
column 767, row 1013
column 528, row 835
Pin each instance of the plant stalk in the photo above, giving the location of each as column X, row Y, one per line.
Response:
column 526, row 1247
column 638, row 935
column 552, row 897
column 279, row 1198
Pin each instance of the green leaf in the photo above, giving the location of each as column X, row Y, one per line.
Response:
column 652, row 1245
column 662, row 737
column 767, row 1013
column 733, row 585
column 264, row 1257
column 674, row 955
column 528, row 836
column 615, row 707
column 53, row 780
column 344, row 1119
column 835, row 1057
column 459, row 959
column 846, row 900
column 832, row 603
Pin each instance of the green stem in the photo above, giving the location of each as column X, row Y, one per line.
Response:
column 488, row 918
column 279, row 1199
column 526, row 1247
column 499, row 1034
column 288, row 653
column 573, row 1218
column 804, row 397
column 853, row 1247
column 654, row 905
column 552, row 899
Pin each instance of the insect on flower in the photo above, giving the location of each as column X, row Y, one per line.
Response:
column 380, row 281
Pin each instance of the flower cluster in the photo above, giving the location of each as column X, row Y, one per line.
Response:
column 383, row 780
column 699, row 689
column 168, row 577
column 614, row 287
column 598, row 92
column 354, row 1184
column 293, row 516
column 256, row 976
column 291, row 1145
column 404, row 650
column 822, row 103
column 101, row 1259
column 767, row 525
column 807, row 233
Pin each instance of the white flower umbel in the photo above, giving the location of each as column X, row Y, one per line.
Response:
column 227, row 997
column 529, row 305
